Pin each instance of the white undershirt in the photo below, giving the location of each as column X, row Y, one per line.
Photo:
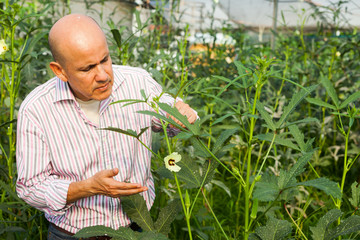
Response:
column 91, row 109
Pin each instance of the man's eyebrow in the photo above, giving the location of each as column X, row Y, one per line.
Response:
column 90, row 66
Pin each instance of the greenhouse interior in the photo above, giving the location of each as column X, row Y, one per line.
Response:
column 180, row 119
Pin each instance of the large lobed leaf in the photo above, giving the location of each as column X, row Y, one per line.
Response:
column 167, row 216
column 287, row 178
column 298, row 136
column 122, row 233
column 319, row 231
column 222, row 138
column 324, row 184
column 294, row 102
column 267, row 188
column 135, row 207
column 330, row 90
column 274, row 229
column 266, row 116
column 278, row 140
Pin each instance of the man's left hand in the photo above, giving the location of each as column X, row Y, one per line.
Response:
column 186, row 111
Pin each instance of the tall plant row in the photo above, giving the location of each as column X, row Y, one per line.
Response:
column 273, row 155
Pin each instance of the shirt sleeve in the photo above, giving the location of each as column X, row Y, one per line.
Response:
column 36, row 183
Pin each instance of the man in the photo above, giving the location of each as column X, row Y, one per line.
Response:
column 67, row 167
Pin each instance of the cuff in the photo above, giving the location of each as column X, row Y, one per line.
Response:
column 56, row 196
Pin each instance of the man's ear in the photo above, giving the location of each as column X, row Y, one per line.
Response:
column 58, row 71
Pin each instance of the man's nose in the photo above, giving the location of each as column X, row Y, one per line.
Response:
column 101, row 74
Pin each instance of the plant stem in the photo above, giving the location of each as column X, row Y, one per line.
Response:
column 187, row 216
column 287, row 211
column 248, row 166
column 217, row 221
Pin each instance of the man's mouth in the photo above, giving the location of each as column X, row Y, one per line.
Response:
column 103, row 87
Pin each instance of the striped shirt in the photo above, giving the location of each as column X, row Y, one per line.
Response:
column 57, row 144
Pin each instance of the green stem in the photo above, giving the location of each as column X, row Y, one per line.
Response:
column 212, row 212
column 297, row 226
column 187, row 216
column 241, row 180
column 248, row 167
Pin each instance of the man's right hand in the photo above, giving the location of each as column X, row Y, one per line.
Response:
column 102, row 183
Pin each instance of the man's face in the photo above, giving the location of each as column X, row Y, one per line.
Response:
column 87, row 67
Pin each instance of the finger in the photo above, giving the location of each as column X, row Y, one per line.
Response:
column 111, row 172
column 132, row 191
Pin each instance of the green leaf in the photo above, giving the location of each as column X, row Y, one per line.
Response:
column 210, row 165
column 298, row 136
column 220, row 119
column 320, row 103
column 230, row 82
column 122, row 233
column 305, row 120
column 189, row 173
column 200, row 150
column 222, row 185
column 117, row 36
column 167, row 216
column 135, row 207
column 265, row 115
column 274, row 229
column 319, row 231
column 287, row 178
column 138, row 19
column 159, row 116
column 151, row 236
column 347, row 226
column 294, row 102
column 355, row 192
column 324, row 184
column 222, row 138
column 267, row 188
column 7, row 188
column 278, row 140
column 330, row 90
column 353, row 97
column 11, row 229
column 193, row 128
column 128, row 102
column 128, row 132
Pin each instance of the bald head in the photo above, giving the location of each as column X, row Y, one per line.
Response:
column 70, row 32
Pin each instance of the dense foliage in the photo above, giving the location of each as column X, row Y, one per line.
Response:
column 274, row 154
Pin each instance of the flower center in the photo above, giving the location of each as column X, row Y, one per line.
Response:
column 171, row 162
